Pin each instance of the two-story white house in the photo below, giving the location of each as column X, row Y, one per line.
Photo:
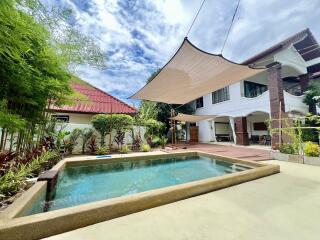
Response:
column 242, row 109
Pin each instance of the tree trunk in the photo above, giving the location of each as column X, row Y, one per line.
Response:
column 5, row 140
column 83, row 146
column 11, row 141
column 2, row 138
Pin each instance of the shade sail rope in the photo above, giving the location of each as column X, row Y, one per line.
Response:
column 234, row 15
column 195, row 18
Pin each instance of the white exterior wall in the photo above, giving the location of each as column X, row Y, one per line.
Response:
column 81, row 121
column 238, row 105
column 235, row 107
column 77, row 118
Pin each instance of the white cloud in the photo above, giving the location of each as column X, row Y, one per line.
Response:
column 141, row 36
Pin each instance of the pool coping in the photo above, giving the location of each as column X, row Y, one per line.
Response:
column 58, row 221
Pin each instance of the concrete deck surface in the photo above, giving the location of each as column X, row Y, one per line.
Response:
column 281, row 206
column 242, row 152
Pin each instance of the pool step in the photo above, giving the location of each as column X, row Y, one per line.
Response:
column 237, row 168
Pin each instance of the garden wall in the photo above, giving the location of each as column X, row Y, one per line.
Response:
column 127, row 141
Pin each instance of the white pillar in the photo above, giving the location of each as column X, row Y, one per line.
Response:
column 231, row 120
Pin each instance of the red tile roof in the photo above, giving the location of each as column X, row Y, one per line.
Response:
column 96, row 101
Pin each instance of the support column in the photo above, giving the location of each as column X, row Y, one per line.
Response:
column 277, row 107
column 241, row 131
column 234, row 135
column 213, row 129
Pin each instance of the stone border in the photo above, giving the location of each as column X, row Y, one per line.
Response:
column 55, row 222
column 295, row 158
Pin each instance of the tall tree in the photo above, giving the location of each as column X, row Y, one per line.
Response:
column 35, row 61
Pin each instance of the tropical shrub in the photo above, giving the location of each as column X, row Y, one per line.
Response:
column 145, row 148
column 6, row 161
column 14, row 179
column 102, row 150
column 103, row 124
column 287, row 149
column 59, row 139
column 125, row 149
column 154, row 127
column 312, row 97
column 92, row 144
column 71, row 141
column 119, row 138
column 311, row 128
column 155, row 141
column 85, row 135
column 121, row 123
column 311, row 149
column 163, row 141
column 136, row 142
column 31, row 154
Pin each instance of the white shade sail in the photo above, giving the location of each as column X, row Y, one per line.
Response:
column 191, row 118
column 192, row 73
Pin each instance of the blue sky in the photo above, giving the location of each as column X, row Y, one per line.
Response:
column 140, row 36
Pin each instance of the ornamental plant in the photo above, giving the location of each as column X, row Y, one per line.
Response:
column 85, row 135
column 125, row 149
column 103, row 124
column 102, row 150
column 71, row 141
column 14, row 179
column 121, row 123
column 311, row 149
column 145, row 148
column 163, row 141
column 92, row 144
column 287, row 149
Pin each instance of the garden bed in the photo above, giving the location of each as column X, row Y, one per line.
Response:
column 295, row 158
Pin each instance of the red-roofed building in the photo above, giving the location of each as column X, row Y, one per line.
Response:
column 90, row 102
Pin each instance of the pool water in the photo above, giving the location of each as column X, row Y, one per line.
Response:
column 84, row 184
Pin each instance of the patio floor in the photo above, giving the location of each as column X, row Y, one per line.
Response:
column 248, row 153
column 281, row 206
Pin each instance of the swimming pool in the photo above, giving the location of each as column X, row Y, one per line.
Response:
column 83, row 184
column 90, row 190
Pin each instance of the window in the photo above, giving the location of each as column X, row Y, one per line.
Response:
column 260, row 126
column 61, row 118
column 199, row 102
column 252, row 89
column 221, row 95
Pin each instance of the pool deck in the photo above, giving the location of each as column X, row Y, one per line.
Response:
column 246, row 153
column 281, row 206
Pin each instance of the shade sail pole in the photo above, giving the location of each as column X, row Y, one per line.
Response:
column 171, row 113
column 111, row 125
column 174, row 130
